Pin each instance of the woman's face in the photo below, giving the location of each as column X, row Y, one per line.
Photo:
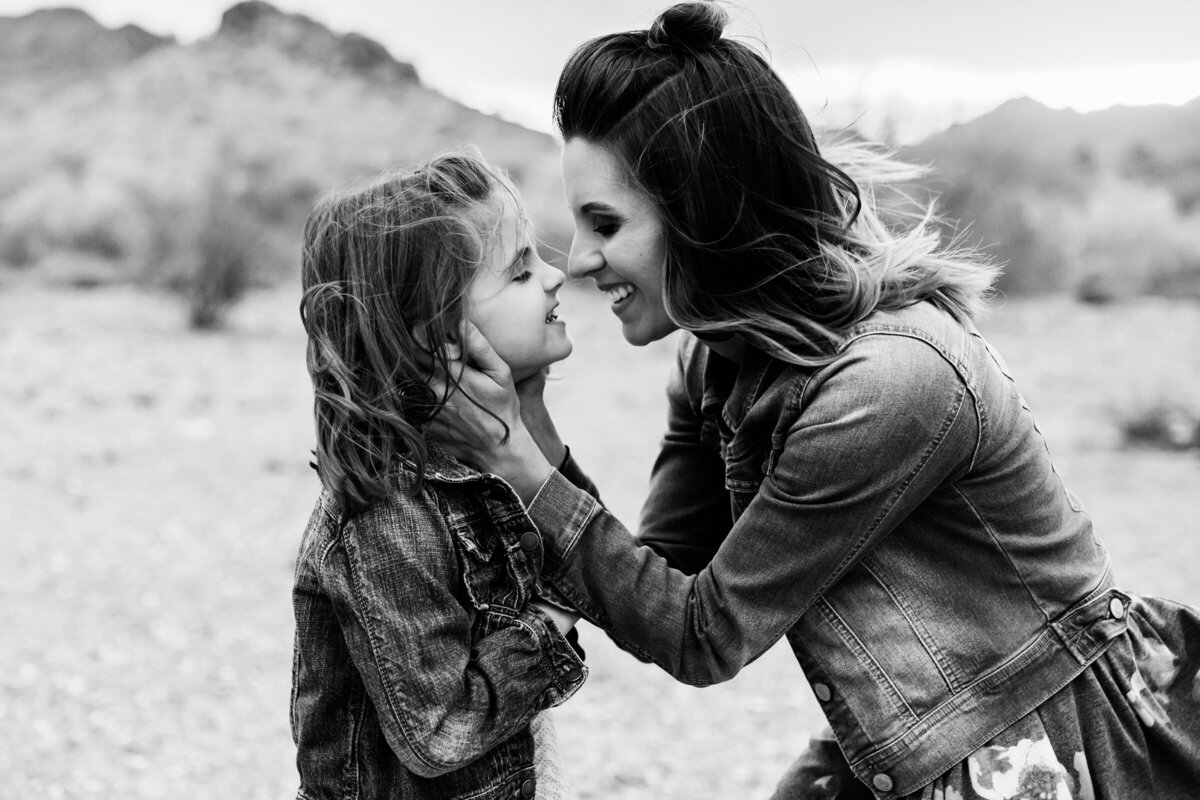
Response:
column 618, row 240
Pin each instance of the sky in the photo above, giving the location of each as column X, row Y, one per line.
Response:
column 904, row 69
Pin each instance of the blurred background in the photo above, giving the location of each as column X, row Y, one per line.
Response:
column 157, row 161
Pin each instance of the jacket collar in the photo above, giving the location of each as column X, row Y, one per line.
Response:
column 440, row 466
column 736, row 386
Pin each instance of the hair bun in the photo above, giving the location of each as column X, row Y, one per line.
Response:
column 695, row 25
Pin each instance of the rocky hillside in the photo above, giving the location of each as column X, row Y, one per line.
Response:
column 112, row 166
column 68, row 42
column 1102, row 204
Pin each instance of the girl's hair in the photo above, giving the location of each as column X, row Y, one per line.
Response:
column 385, row 268
column 764, row 236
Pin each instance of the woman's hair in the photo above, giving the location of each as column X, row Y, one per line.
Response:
column 764, row 235
column 385, row 268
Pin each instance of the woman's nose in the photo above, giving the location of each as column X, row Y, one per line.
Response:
column 584, row 257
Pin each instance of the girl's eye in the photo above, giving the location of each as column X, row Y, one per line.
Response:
column 522, row 276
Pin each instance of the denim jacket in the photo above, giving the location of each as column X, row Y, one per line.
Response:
column 894, row 513
column 418, row 659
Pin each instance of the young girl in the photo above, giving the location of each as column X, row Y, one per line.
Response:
column 424, row 653
column 847, row 463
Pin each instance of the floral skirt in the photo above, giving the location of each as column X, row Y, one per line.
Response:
column 1128, row 728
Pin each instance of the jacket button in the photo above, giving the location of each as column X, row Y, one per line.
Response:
column 822, row 692
column 1116, row 608
column 530, row 540
column 573, row 674
column 882, row 782
column 528, row 788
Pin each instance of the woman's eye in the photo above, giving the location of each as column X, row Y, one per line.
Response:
column 522, row 276
column 604, row 227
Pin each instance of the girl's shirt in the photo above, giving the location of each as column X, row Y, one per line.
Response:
column 894, row 513
column 419, row 662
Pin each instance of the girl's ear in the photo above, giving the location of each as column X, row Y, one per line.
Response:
column 452, row 346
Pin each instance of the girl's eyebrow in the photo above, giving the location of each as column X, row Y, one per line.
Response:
column 518, row 258
column 595, row 206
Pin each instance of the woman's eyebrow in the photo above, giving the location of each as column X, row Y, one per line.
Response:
column 595, row 206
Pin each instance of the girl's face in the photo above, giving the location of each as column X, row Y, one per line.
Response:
column 514, row 294
column 618, row 240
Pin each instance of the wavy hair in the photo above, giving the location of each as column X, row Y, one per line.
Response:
column 764, row 235
column 385, row 268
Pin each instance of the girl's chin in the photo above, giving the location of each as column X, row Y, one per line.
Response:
column 529, row 370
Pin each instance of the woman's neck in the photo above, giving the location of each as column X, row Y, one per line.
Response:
column 732, row 349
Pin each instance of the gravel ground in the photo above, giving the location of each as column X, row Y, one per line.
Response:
column 154, row 483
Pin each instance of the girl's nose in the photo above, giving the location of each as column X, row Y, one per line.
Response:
column 552, row 277
column 584, row 258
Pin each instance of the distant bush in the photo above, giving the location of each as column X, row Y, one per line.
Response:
column 73, row 211
column 217, row 256
column 1161, row 425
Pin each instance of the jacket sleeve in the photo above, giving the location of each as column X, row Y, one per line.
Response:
column 571, row 470
column 865, row 450
column 443, row 696
column 686, row 515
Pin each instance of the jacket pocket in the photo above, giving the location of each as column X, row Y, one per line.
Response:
column 495, row 572
column 504, row 772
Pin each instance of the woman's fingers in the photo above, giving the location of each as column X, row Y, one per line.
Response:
column 481, row 356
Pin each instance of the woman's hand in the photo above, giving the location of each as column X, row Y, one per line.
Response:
column 537, row 418
column 473, row 435
column 562, row 620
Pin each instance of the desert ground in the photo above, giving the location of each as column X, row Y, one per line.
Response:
column 154, row 483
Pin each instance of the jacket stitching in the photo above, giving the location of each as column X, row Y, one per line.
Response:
column 991, row 533
column 869, row 532
column 396, row 712
column 865, row 658
column 917, row 628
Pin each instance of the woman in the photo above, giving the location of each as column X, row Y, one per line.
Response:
column 847, row 462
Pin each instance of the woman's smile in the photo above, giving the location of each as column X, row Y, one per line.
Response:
column 618, row 240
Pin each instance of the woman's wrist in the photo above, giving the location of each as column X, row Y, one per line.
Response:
column 541, row 427
column 522, row 464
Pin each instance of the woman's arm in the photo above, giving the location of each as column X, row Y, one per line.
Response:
column 443, row 696
column 687, row 514
column 866, row 450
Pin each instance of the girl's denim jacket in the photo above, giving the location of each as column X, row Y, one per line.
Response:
column 894, row 513
column 418, row 660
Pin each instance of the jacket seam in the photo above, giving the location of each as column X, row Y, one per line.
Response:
column 934, row 445
column 865, row 658
column 919, row 630
column 385, row 681
column 991, row 533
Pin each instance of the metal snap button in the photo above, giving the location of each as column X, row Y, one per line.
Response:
column 528, row 788
column 882, row 782
column 530, row 540
column 822, row 692
column 1116, row 608
column 573, row 674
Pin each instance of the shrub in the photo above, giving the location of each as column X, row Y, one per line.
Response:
column 1161, row 425
column 222, row 260
column 83, row 212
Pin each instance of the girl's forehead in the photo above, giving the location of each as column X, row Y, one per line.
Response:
column 505, row 227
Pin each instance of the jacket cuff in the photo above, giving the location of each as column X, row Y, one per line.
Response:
column 569, row 468
column 561, row 511
column 564, row 664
